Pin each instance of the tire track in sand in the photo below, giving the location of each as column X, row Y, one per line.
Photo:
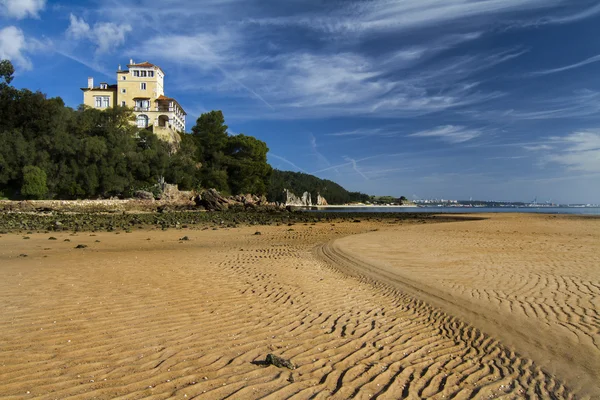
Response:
column 535, row 289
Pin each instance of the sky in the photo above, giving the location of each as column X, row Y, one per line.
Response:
column 458, row 99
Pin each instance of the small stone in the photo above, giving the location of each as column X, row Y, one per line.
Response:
column 257, row 233
column 81, row 246
column 22, row 255
column 51, row 238
column 184, row 238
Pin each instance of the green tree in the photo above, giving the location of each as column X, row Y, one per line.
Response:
column 34, row 183
column 210, row 136
column 6, row 72
column 247, row 167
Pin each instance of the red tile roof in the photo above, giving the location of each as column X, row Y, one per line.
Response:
column 165, row 98
column 145, row 64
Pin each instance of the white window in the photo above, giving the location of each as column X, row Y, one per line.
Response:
column 143, row 73
column 123, row 90
column 103, row 86
column 123, row 78
column 142, row 104
column 102, row 101
column 142, row 121
column 136, row 73
column 123, row 104
column 143, row 86
column 151, row 74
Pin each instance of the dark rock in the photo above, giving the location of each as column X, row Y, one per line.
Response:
column 51, row 238
column 212, row 200
column 81, row 246
column 257, row 233
column 22, row 255
column 184, row 238
column 26, row 237
column 67, row 240
column 279, row 362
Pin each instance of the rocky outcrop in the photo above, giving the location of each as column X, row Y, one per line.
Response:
column 292, row 200
column 321, row 201
column 212, row 200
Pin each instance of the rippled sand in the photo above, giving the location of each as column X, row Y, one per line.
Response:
column 531, row 281
column 162, row 318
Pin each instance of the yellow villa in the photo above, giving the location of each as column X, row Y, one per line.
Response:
column 141, row 88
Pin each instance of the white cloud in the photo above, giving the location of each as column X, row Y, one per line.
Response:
column 580, row 151
column 22, row 8
column 13, row 45
column 450, row 133
column 105, row 35
column 538, row 147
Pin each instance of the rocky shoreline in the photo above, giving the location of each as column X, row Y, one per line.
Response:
column 83, row 220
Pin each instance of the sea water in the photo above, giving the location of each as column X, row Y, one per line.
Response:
column 462, row 210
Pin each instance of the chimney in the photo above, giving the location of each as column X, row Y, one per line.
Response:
column 90, row 83
column 131, row 61
column 119, row 67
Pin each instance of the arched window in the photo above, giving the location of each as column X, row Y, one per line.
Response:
column 142, row 121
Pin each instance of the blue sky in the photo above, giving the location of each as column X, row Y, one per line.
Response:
column 490, row 99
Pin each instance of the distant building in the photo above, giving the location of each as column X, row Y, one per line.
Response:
column 141, row 88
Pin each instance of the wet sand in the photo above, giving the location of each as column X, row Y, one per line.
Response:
column 146, row 315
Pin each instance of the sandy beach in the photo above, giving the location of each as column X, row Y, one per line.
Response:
column 505, row 307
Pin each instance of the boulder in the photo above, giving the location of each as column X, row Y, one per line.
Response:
column 212, row 200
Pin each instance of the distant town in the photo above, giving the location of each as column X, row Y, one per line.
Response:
column 507, row 204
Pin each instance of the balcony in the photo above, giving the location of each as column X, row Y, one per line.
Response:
column 165, row 109
column 140, row 109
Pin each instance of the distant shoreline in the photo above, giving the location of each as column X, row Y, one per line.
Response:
column 358, row 206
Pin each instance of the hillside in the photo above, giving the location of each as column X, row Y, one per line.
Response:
column 299, row 183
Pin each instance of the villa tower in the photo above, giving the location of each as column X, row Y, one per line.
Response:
column 141, row 88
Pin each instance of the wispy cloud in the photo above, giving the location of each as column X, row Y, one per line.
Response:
column 383, row 15
column 315, row 150
column 450, row 133
column 566, row 18
column 538, row 147
column 567, row 67
column 285, row 160
column 580, row 151
column 354, row 165
column 577, row 104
